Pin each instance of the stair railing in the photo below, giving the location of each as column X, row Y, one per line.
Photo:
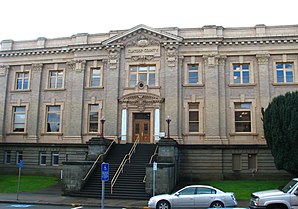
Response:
column 150, row 161
column 96, row 161
column 125, row 159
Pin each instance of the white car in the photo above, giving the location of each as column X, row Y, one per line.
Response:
column 195, row 196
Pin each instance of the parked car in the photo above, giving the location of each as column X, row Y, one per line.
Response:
column 194, row 196
column 285, row 198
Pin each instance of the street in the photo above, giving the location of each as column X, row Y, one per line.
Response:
column 36, row 206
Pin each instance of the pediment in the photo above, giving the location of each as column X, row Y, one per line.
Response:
column 135, row 35
column 141, row 100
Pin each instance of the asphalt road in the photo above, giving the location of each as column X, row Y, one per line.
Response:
column 36, row 206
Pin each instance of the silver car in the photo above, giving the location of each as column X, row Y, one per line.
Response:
column 195, row 196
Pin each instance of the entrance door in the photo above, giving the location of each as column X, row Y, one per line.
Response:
column 141, row 127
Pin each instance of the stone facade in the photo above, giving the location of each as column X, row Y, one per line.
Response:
column 211, row 81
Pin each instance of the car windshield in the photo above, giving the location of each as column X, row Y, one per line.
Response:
column 289, row 186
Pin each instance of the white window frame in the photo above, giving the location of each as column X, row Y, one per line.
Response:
column 284, row 71
column 19, row 154
column 41, row 155
column 57, row 68
column 138, row 73
column 98, row 119
column 201, row 117
column 7, row 160
column 56, row 112
column 14, row 113
column 24, row 69
column 90, row 81
column 86, row 115
column 45, row 110
column 253, row 116
column 55, row 155
column 242, row 62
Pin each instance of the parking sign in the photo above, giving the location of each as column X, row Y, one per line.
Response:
column 105, row 171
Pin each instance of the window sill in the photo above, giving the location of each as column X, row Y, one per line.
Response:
column 20, row 91
column 149, row 87
column 193, row 85
column 242, row 85
column 52, row 134
column 194, row 134
column 62, row 89
column 243, row 134
column 285, row 84
column 94, row 87
column 17, row 133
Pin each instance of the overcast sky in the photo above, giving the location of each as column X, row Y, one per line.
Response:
column 30, row 19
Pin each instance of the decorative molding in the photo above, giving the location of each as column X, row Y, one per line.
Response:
column 263, row 59
column 77, row 66
column 114, row 55
column 141, row 100
column 211, row 60
column 172, row 54
column 3, row 70
column 143, row 41
column 142, row 58
column 37, row 67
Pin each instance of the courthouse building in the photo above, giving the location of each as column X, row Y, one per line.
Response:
column 212, row 82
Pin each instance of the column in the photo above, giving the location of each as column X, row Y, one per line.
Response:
column 3, row 85
column 212, row 97
column 156, row 123
column 124, row 125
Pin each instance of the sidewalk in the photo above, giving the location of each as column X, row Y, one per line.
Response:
column 52, row 196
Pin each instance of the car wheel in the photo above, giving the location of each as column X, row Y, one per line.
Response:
column 217, row 204
column 163, row 204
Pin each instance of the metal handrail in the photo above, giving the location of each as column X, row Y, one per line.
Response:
column 121, row 166
column 150, row 161
column 96, row 161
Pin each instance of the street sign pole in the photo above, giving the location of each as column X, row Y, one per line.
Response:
column 104, row 177
column 154, row 176
column 20, row 169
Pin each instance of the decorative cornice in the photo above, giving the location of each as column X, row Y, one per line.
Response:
column 141, row 100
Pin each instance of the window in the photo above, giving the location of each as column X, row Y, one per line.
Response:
column 55, row 158
column 188, row 191
column 243, row 117
column 19, row 119
column 202, row 190
column 236, row 160
column 19, row 156
column 193, row 73
column 42, row 158
column 95, row 77
column 193, row 116
column 7, row 157
column 93, row 118
column 53, row 118
column 56, row 79
column 145, row 73
column 241, row 73
column 284, row 72
column 252, row 161
column 22, row 80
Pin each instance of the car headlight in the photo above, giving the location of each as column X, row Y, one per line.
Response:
column 255, row 201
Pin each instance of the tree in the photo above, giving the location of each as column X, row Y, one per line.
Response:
column 280, row 122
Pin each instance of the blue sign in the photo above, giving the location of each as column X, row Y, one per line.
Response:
column 21, row 164
column 105, row 171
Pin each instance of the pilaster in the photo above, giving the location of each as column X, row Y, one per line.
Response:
column 3, row 94
column 211, row 64
column 33, row 117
